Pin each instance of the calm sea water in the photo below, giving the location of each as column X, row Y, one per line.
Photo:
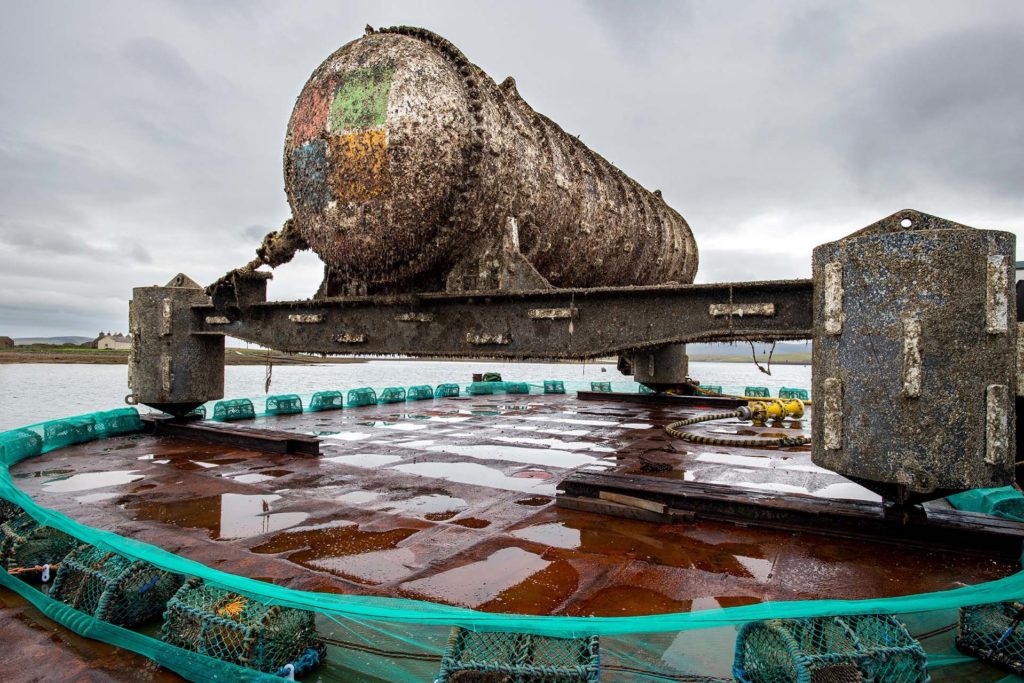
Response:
column 35, row 392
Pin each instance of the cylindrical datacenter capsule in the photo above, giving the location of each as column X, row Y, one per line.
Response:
column 402, row 158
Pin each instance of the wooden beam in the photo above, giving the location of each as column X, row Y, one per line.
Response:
column 865, row 520
column 236, row 436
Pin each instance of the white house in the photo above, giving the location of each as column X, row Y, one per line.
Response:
column 120, row 342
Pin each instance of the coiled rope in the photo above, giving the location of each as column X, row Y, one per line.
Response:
column 781, row 442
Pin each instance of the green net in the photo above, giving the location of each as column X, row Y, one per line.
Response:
column 233, row 409
column 517, row 388
column 361, row 397
column 326, row 400
column 200, row 411
column 20, row 443
column 554, row 386
column 601, row 386
column 790, row 392
column 113, row 588
column 712, row 388
column 757, row 392
column 392, row 395
column 1005, row 501
column 284, row 404
column 992, row 633
column 483, row 388
column 849, row 648
column 25, row 543
column 62, row 433
column 237, row 629
column 446, row 391
column 491, row 377
column 645, row 390
column 519, row 657
column 420, row 392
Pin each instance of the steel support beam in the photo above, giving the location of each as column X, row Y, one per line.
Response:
column 545, row 324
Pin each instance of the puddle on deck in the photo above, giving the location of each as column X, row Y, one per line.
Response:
column 473, row 473
column 227, row 516
column 91, row 480
column 363, row 556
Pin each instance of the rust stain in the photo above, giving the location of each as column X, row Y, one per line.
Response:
column 359, row 165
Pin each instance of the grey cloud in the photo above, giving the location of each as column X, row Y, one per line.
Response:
column 160, row 60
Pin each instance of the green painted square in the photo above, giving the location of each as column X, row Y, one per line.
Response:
column 361, row 100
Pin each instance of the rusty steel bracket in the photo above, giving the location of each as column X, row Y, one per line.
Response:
column 543, row 324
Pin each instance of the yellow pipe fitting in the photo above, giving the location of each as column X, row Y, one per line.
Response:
column 776, row 411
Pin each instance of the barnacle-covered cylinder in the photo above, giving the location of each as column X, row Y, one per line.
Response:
column 402, row 157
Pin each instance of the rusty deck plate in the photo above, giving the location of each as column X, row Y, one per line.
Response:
column 452, row 501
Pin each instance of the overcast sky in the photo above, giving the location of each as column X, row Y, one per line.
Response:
column 139, row 139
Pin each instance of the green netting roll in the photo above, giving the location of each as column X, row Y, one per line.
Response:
column 1004, row 501
column 284, row 404
column 554, row 386
column 234, row 409
column 849, row 648
column 62, row 433
column 20, row 443
column 517, row 388
column 238, row 629
column 790, row 392
column 362, row 397
column 25, row 543
column 117, row 422
column 326, row 400
column 481, row 388
column 519, row 657
column 113, row 588
column 392, row 395
column 757, row 392
column 420, row 392
column 601, row 386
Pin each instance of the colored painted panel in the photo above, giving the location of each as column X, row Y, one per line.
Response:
column 359, row 165
column 310, row 169
column 361, row 100
column 309, row 121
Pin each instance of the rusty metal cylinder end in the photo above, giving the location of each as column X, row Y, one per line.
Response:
column 383, row 156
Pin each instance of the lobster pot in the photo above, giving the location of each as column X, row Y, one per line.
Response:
column 24, row 543
column 446, row 390
column 113, row 588
column 554, row 386
column 420, row 392
column 392, row 395
column 849, row 648
column 519, row 657
column 362, row 397
column 234, row 409
column 326, row 400
column 286, row 404
column 601, row 386
column 9, row 510
column 988, row 632
column 757, row 392
column 237, row 629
